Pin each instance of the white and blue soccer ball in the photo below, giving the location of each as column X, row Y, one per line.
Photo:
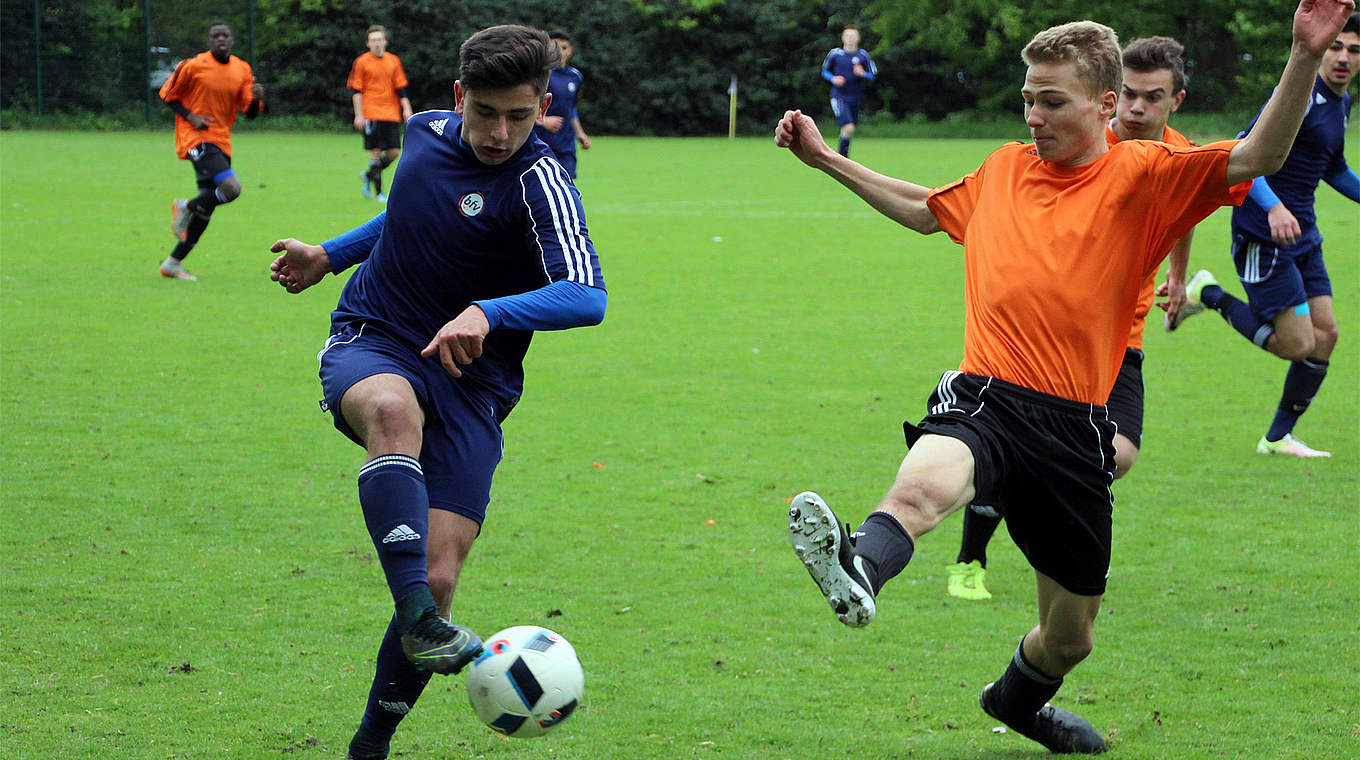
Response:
column 526, row 681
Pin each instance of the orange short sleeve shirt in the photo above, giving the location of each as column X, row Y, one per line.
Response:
column 208, row 87
column 1055, row 256
column 377, row 81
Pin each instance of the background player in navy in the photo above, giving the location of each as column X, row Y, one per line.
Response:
column 1278, row 250
column 844, row 68
column 561, row 127
column 483, row 241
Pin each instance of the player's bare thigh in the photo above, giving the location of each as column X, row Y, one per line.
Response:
column 935, row 478
column 383, row 410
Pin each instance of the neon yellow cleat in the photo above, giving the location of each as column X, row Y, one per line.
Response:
column 1291, row 446
column 966, row 581
column 1193, row 305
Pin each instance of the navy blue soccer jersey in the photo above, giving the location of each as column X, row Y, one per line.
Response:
column 458, row 230
column 565, row 85
column 1317, row 153
column 840, row 63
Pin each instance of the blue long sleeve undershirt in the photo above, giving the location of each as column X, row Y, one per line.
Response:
column 556, row 306
column 350, row 248
column 1347, row 183
column 1262, row 195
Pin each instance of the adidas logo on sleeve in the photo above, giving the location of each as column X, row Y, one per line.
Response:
column 402, row 532
column 438, row 126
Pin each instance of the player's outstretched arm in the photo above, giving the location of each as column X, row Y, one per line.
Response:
column 903, row 202
column 1264, row 149
column 299, row 265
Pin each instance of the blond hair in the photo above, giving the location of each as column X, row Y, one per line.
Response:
column 1093, row 48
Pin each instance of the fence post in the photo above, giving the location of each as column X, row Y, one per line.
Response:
column 147, row 47
column 37, row 51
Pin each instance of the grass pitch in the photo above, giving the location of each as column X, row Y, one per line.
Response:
column 186, row 572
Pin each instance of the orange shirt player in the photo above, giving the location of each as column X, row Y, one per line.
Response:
column 205, row 92
column 380, row 107
column 1058, row 237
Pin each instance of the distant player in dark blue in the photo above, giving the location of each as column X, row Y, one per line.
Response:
column 845, row 68
column 1278, row 250
column 561, row 127
column 483, row 242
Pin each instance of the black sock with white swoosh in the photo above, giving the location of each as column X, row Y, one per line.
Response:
column 884, row 546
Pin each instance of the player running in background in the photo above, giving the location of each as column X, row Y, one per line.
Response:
column 1278, row 250
column 1051, row 287
column 483, row 242
column 205, row 93
column 1153, row 88
column 380, row 106
column 561, row 128
column 846, row 68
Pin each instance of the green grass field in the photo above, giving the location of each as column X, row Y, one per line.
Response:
column 187, row 575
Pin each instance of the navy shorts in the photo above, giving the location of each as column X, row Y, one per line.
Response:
column 211, row 165
column 461, row 443
column 1279, row 278
column 382, row 135
column 1043, row 462
column 846, row 110
column 1126, row 398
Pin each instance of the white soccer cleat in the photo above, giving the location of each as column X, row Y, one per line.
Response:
column 823, row 545
column 1193, row 305
column 1290, row 446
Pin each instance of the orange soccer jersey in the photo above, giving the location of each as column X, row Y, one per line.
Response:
column 208, row 88
column 377, row 81
column 1054, row 256
column 1175, row 139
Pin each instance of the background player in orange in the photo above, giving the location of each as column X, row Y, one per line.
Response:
column 1052, row 278
column 380, row 107
column 1153, row 88
column 205, row 92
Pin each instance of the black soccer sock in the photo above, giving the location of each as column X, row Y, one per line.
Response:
column 397, row 684
column 885, row 546
column 1301, row 384
column 375, row 169
column 1237, row 314
column 384, row 161
column 844, row 147
column 203, row 204
column 197, row 226
column 977, row 533
column 396, row 511
column 1022, row 689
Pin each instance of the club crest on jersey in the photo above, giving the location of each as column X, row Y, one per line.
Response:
column 472, row 204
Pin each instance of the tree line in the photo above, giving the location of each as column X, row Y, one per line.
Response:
column 652, row 67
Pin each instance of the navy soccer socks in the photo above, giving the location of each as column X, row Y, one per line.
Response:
column 397, row 684
column 884, row 546
column 396, row 511
column 1301, row 384
column 977, row 533
column 1237, row 314
column 844, row 147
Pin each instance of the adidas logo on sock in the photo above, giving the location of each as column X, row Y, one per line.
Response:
column 402, row 532
column 400, row 708
column 438, row 126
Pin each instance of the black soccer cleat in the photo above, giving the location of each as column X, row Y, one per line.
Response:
column 823, row 545
column 1062, row 732
column 435, row 644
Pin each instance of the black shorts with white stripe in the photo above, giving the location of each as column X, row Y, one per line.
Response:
column 1045, row 463
column 1126, row 398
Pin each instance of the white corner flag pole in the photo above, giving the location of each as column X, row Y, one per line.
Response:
column 732, row 108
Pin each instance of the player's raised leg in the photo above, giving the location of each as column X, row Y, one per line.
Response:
column 383, row 411
column 935, row 478
column 1061, row 640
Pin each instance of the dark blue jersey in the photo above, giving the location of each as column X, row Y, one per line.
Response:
column 1317, row 154
column 458, row 230
column 840, row 63
column 565, row 86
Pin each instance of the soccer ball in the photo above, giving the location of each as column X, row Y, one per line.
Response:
column 526, row 681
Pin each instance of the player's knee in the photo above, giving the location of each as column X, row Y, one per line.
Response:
column 391, row 415
column 1125, row 454
column 229, row 190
